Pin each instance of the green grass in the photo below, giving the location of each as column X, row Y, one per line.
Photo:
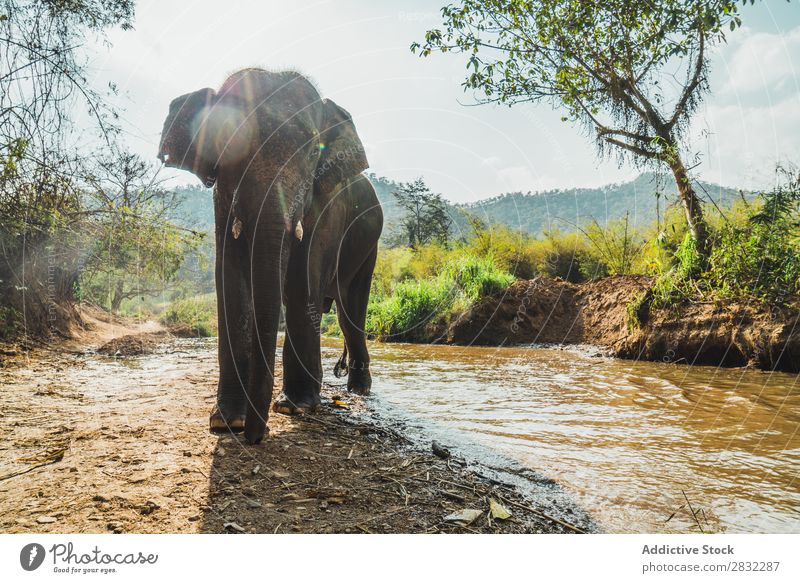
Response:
column 415, row 308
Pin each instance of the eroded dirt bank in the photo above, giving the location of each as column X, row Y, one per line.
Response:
column 545, row 310
column 98, row 444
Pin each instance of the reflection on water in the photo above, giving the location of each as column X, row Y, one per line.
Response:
column 626, row 438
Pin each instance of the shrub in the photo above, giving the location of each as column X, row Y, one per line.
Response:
column 198, row 313
column 477, row 277
column 413, row 304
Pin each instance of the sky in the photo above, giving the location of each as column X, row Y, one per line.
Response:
column 412, row 114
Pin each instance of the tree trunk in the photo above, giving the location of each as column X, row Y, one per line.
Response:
column 691, row 206
column 116, row 300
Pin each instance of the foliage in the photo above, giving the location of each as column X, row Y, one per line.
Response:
column 414, row 306
column 198, row 313
column 755, row 256
column 138, row 248
column 617, row 246
column 610, row 65
column 426, row 217
column 42, row 79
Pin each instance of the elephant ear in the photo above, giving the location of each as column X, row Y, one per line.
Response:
column 342, row 154
column 184, row 139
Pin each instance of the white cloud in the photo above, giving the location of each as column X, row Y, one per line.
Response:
column 762, row 62
column 747, row 142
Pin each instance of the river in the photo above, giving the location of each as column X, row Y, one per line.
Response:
column 635, row 443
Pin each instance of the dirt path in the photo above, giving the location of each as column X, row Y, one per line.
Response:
column 97, row 444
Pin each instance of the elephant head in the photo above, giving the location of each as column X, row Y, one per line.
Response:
column 271, row 144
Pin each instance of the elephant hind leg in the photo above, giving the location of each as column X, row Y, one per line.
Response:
column 352, row 313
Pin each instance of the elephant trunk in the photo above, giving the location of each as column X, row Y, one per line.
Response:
column 269, row 258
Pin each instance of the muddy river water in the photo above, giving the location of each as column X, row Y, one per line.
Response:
column 635, row 443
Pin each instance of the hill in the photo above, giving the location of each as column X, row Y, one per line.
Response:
column 533, row 213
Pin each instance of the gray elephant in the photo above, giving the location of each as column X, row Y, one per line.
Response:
column 296, row 222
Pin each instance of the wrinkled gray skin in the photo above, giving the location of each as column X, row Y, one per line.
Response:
column 279, row 155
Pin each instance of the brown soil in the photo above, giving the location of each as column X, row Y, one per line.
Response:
column 89, row 451
column 553, row 311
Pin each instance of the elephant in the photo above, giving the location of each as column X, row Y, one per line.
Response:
column 297, row 224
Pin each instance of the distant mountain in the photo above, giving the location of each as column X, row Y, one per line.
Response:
column 533, row 213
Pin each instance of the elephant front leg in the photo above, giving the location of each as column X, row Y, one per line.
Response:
column 302, row 365
column 234, row 331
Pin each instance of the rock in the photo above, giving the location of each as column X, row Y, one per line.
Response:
column 148, row 507
column 46, row 519
column 464, row 517
column 232, row 526
column 253, row 503
column 439, row 450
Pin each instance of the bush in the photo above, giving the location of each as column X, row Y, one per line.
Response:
column 477, row 277
column 198, row 313
column 755, row 254
column 415, row 306
column 329, row 326
column 405, row 314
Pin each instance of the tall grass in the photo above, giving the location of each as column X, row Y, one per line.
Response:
column 416, row 309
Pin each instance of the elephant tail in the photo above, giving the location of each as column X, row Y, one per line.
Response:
column 340, row 369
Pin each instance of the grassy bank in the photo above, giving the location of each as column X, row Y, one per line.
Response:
column 754, row 257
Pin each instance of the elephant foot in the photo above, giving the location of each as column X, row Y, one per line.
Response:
column 359, row 381
column 287, row 406
column 255, row 430
column 220, row 422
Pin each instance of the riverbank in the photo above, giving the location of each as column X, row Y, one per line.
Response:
column 553, row 311
column 101, row 444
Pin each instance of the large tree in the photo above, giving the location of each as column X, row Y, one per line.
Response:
column 632, row 72
column 138, row 247
column 426, row 218
column 43, row 79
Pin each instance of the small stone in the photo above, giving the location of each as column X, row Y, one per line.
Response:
column 253, row 504
column 256, row 470
column 46, row 520
column 148, row 507
column 232, row 526
column 464, row 517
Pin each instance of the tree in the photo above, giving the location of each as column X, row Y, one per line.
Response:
column 610, row 64
column 426, row 217
column 42, row 81
column 138, row 247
